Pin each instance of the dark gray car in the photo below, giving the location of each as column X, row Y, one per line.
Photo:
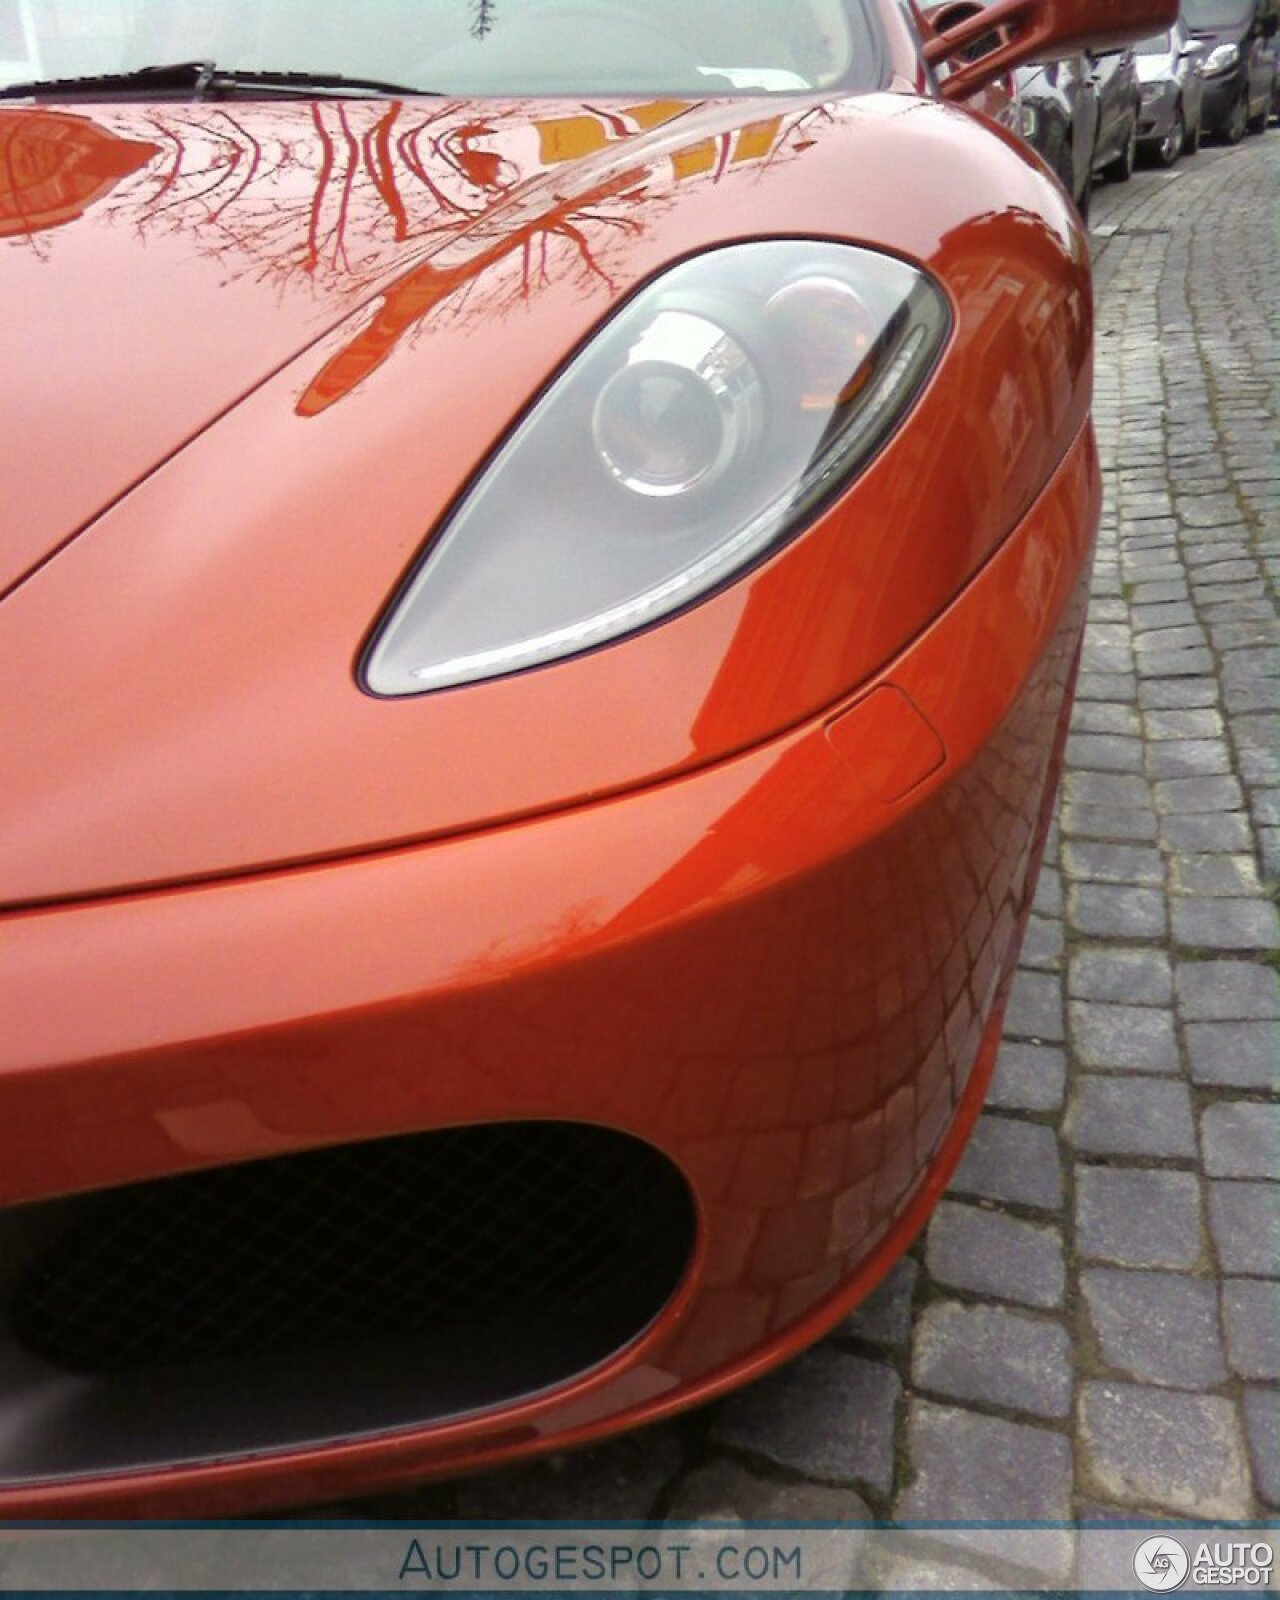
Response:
column 1115, row 80
column 1239, row 63
column 1172, row 84
column 1058, row 107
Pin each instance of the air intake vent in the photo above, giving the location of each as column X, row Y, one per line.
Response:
column 444, row 1236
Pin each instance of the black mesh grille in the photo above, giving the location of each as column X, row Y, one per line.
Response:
column 451, row 1230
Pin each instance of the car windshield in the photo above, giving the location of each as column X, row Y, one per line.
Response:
column 1217, row 13
column 623, row 47
column 1158, row 45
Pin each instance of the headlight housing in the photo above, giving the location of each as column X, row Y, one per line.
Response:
column 700, row 428
column 1221, row 59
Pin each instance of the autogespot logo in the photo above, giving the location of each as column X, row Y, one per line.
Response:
column 1161, row 1563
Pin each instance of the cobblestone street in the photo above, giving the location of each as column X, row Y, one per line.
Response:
column 1091, row 1323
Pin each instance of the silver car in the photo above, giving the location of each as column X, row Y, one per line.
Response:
column 1172, row 79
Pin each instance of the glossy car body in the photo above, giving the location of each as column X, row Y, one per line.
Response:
column 743, row 890
column 1115, row 80
column 1169, row 70
column 1060, row 120
column 1237, row 39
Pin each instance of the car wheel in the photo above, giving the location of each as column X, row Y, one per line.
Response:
column 1121, row 169
column 1193, row 138
column 1171, row 145
column 1083, row 198
column 1238, row 121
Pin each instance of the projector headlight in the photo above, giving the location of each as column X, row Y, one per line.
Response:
column 702, row 427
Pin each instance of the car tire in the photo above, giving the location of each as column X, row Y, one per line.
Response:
column 1193, row 138
column 1082, row 202
column 1121, row 169
column 1174, row 142
column 1237, row 124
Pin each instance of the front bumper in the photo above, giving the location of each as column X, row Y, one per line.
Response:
column 1221, row 96
column 1155, row 117
column 785, row 971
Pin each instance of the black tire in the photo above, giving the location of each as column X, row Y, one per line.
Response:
column 1173, row 143
column 1082, row 203
column 1237, row 124
column 1121, row 169
column 1193, row 138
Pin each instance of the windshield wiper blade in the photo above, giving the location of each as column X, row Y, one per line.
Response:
column 204, row 80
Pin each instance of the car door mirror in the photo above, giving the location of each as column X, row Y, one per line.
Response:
column 949, row 15
column 1013, row 32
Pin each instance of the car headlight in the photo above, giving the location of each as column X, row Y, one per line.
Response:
column 1221, row 59
column 705, row 423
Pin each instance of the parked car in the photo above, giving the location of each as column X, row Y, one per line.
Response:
column 1239, row 63
column 1059, row 106
column 1172, row 80
column 543, row 579
column 1115, row 79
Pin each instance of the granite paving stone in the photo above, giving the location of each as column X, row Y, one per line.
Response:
column 1123, row 1038
column 1251, row 1317
column 1244, row 1219
column 1025, row 1476
column 1241, row 1139
column 1214, row 874
column 1206, row 832
column 1226, row 991
column 1034, row 1010
column 829, row 1415
column 1156, row 1327
column 884, row 1317
column 1131, row 1116
column 1135, row 977
column 1136, row 1217
column 1011, row 1160
column 1028, row 1077
column 1262, row 1430
column 1099, row 862
column 1225, row 924
column 1242, row 1055
column 1042, row 944
column 724, row 1490
column 1151, row 1448
column 990, row 1253
column 1116, row 911
column 995, row 1356
column 1110, row 822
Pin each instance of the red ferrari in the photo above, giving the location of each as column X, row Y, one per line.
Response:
column 543, row 560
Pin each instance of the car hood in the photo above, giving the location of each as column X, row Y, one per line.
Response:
column 1152, row 69
column 1223, row 33
column 255, row 350
column 164, row 262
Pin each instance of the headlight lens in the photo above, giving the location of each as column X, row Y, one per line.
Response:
column 1221, row 59
column 714, row 415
